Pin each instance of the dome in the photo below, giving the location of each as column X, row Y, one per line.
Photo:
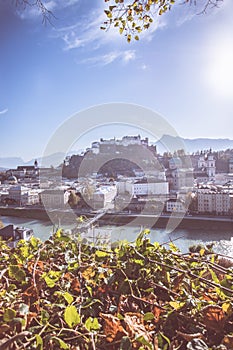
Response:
column 12, row 179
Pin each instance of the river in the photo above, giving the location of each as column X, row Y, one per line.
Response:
column 183, row 238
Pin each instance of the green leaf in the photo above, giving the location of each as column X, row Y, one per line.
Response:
column 214, row 276
column 68, row 297
column 71, row 316
column 16, row 272
column 202, row 251
column 50, row 283
column 24, row 251
column 141, row 339
column 101, row 254
column 92, row 324
column 89, row 290
column 8, row 315
column 176, row 304
column 39, row 342
column 61, row 343
column 141, row 236
column 173, row 247
column 165, row 338
column 51, row 278
column 149, row 316
column 34, row 242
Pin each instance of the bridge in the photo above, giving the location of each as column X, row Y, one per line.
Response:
column 88, row 223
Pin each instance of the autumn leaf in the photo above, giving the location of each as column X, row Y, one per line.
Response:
column 112, row 327
column 75, row 285
column 213, row 317
column 88, row 273
column 156, row 312
column 134, row 325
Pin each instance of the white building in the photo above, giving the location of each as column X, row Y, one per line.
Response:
column 21, row 195
column 215, row 200
column 149, row 188
column 143, row 187
column 175, row 206
column 125, row 141
column 56, row 199
column 103, row 196
column 206, row 163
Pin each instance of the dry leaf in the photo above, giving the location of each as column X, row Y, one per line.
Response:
column 156, row 311
column 134, row 323
column 112, row 326
column 213, row 317
column 75, row 285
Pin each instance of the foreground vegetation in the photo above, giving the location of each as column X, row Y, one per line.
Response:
column 66, row 294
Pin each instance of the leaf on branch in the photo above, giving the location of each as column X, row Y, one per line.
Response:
column 213, row 317
column 71, row 316
column 75, row 285
column 112, row 327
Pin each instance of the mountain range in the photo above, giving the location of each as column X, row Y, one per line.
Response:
column 13, row 162
column 170, row 143
column 166, row 143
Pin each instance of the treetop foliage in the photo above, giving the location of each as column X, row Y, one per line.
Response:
column 131, row 17
column 68, row 294
column 135, row 16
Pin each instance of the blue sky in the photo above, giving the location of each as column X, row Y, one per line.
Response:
column 182, row 69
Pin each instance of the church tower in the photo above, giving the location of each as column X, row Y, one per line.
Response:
column 210, row 166
column 36, row 168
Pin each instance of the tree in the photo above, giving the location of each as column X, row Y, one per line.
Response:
column 130, row 17
column 136, row 16
column 73, row 199
column 39, row 4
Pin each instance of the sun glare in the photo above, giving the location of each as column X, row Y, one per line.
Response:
column 219, row 70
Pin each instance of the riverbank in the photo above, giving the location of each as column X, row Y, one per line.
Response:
column 150, row 220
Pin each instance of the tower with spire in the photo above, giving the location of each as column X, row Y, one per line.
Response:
column 210, row 165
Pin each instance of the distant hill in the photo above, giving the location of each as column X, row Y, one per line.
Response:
column 54, row 159
column 170, row 143
column 166, row 143
column 12, row 162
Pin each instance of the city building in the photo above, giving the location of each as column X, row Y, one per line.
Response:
column 206, row 167
column 103, row 196
column 54, row 198
column 215, row 200
column 175, row 206
column 143, row 187
column 179, row 178
column 20, row 195
column 110, row 145
column 24, row 171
